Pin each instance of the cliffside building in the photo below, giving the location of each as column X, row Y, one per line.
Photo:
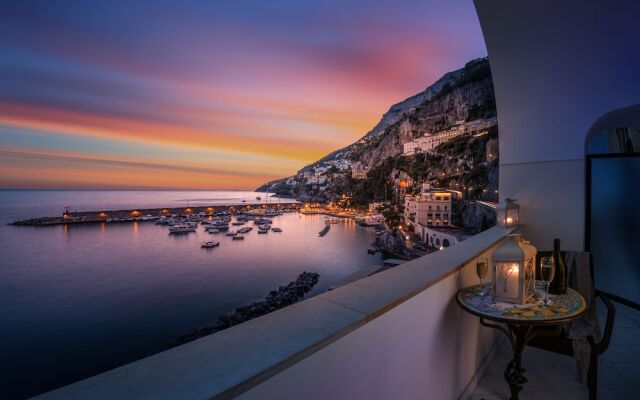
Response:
column 358, row 171
column 433, row 208
column 428, row 142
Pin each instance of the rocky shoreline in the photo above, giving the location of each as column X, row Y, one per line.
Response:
column 276, row 299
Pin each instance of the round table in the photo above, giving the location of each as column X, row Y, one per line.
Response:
column 522, row 322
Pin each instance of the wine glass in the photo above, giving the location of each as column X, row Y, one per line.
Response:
column 547, row 272
column 481, row 269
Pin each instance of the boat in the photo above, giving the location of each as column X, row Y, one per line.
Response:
column 237, row 223
column 263, row 231
column 181, row 228
column 276, row 230
column 238, row 238
column 263, row 221
column 264, row 227
column 245, row 229
column 209, row 245
column 232, row 233
column 213, row 230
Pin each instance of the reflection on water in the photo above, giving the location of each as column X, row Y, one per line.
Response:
column 77, row 300
column 135, row 230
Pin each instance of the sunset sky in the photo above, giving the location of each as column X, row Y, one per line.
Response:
column 208, row 94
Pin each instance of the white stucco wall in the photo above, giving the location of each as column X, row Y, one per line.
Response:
column 425, row 348
column 558, row 66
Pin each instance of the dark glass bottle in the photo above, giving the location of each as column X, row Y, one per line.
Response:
column 561, row 277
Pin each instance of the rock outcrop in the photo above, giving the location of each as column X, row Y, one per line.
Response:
column 276, row 299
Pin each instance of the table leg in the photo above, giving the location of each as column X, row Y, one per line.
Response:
column 518, row 336
column 514, row 373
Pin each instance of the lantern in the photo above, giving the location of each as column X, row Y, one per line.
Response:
column 514, row 270
column 508, row 213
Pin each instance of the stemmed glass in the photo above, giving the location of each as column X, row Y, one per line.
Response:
column 481, row 269
column 547, row 272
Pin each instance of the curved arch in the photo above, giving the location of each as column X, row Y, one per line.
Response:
column 445, row 243
column 617, row 131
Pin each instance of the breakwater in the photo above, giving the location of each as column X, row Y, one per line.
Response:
column 276, row 299
column 145, row 214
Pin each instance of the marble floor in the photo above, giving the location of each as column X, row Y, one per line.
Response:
column 552, row 376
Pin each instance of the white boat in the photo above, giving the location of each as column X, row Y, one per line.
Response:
column 276, row 230
column 263, row 231
column 245, row 229
column 264, row 227
column 182, row 228
column 212, row 230
column 210, row 245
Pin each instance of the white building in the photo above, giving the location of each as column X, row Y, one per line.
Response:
column 433, row 208
column 358, row 171
column 436, row 237
column 428, row 142
column 409, row 209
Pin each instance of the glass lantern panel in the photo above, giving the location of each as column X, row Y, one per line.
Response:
column 501, row 216
column 530, row 278
column 507, row 280
column 512, row 216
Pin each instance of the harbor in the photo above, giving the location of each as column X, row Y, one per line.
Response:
column 152, row 214
column 110, row 279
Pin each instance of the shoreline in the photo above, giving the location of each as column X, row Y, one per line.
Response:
column 149, row 214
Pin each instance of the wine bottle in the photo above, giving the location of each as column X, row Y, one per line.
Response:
column 559, row 283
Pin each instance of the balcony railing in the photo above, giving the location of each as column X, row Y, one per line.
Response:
column 395, row 334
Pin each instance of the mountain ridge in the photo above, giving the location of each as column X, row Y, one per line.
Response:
column 461, row 99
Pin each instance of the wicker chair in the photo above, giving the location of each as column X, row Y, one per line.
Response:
column 562, row 344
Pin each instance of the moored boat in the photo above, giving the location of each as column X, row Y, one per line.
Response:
column 210, row 245
column 181, row 228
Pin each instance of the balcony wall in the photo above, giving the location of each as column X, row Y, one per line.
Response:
column 557, row 66
column 396, row 334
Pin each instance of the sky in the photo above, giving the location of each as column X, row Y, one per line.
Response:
column 208, row 94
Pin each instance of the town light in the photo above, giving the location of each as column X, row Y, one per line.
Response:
column 135, row 213
column 514, row 270
column 508, row 213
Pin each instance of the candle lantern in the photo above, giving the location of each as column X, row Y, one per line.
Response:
column 514, row 271
column 508, row 213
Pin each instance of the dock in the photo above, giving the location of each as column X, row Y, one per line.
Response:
column 325, row 230
column 147, row 214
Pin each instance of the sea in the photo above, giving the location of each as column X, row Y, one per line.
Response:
column 78, row 300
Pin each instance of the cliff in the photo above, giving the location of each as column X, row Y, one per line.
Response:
column 461, row 100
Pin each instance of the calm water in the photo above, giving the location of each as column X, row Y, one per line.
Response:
column 78, row 300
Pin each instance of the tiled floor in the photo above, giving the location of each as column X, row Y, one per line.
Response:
column 552, row 376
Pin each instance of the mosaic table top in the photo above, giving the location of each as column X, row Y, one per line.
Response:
column 561, row 309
